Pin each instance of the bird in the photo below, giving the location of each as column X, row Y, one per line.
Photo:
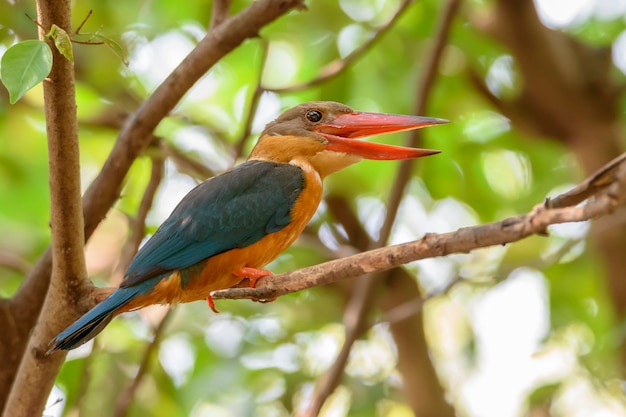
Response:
column 230, row 226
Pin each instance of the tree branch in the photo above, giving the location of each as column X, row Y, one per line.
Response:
column 221, row 8
column 254, row 103
column 122, row 407
column 425, row 85
column 362, row 294
column 136, row 134
column 12, row 261
column 463, row 240
column 138, row 223
column 37, row 371
column 339, row 66
column 25, row 306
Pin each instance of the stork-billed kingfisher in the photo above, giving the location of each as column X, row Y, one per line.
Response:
column 230, row 226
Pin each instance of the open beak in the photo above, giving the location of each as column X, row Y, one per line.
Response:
column 342, row 131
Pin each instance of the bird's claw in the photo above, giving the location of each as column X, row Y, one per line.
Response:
column 211, row 303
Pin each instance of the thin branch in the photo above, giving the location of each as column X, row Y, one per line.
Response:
column 122, row 407
column 425, row 86
column 358, row 305
column 592, row 185
column 137, row 132
column 463, row 240
column 221, row 10
column 403, row 311
column 339, row 66
column 12, row 261
column 85, row 378
column 254, row 102
column 185, row 164
column 136, row 135
column 138, row 224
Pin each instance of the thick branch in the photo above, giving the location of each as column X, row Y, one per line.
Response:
column 136, row 134
column 25, row 306
column 37, row 372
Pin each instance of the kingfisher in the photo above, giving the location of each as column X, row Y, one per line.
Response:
column 230, row 226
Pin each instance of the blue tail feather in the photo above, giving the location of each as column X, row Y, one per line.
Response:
column 92, row 322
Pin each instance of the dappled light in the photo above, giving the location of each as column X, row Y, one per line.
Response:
column 504, row 296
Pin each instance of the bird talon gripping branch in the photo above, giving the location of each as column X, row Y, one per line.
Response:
column 253, row 274
column 232, row 225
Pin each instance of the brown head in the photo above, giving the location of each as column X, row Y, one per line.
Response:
column 324, row 134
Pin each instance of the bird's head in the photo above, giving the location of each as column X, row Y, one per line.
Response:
column 325, row 133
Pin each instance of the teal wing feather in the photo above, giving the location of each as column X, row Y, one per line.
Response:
column 232, row 210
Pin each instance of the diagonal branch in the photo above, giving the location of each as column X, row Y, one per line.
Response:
column 597, row 182
column 463, row 240
column 122, row 407
column 254, row 102
column 362, row 296
column 425, row 85
column 339, row 66
column 136, row 133
column 24, row 308
column 138, row 223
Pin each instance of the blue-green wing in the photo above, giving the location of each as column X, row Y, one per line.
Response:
column 232, row 210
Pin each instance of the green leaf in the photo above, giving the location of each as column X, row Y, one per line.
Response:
column 62, row 41
column 23, row 66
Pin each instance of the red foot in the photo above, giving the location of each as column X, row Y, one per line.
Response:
column 254, row 274
column 211, row 303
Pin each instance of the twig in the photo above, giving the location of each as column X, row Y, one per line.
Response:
column 185, row 164
column 122, row 407
column 362, row 296
column 138, row 224
column 254, row 102
column 410, row 308
column 104, row 191
column 592, row 185
column 14, row 262
column 85, row 377
column 339, row 66
column 425, row 86
column 221, row 9
column 83, row 22
column 463, row 240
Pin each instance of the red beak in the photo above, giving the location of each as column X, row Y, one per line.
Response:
column 342, row 131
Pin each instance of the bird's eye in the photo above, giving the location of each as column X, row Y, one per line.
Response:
column 314, row 116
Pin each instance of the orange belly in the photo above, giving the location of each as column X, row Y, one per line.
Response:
column 216, row 272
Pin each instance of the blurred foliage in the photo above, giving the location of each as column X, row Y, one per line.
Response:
column 263, row 359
